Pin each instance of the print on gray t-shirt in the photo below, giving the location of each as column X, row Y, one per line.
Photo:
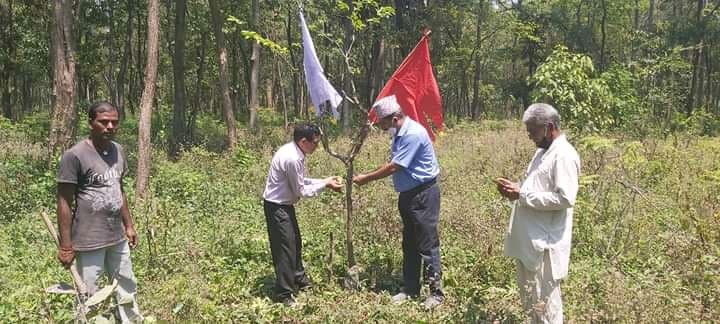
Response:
column 97, row 222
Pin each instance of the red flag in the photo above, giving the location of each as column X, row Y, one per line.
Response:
column 415, row 88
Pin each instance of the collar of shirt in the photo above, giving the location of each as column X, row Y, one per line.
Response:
column 553, row 146
column 300, row 152
column 405, row 126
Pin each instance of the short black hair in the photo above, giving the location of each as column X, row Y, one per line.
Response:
column 100, row 107
column 307, row 131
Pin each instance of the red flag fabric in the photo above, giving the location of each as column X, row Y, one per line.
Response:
column 416, row 89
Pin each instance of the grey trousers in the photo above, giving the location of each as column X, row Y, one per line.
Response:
column 115, row 262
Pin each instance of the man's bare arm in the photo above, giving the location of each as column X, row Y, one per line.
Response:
column 65, row 195
column 128, row 222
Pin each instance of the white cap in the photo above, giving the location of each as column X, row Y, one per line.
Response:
column 386, row 106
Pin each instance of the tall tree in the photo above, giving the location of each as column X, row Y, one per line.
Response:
column 603, row 25
column 255, row 69
column 697, row 54
column 200, row 73
column 8, row 42
column 650, row 24
column 296, row 89
column 62, row 129
column 126, row 57
column 348, row 40
column 228, row 113
column 146, row 102
column 476, row 108
column 377, row 68
column 178, row 131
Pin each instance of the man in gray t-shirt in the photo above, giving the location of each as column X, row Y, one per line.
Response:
column 92, row 209
column 97, row 222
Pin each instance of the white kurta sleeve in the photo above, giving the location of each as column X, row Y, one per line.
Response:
column 301, row 186
column 564, row 173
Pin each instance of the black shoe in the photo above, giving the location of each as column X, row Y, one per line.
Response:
column 303, row 283
column 289, row 301
column 305, row 286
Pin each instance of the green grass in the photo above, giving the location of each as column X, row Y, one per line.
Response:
column 645, row 238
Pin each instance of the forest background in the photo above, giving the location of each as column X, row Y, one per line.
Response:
column 208, row 90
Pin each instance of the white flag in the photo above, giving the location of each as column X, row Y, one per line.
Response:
column 318, row 85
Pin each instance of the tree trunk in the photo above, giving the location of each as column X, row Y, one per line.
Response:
column 295, row 91
column 6, row 85
column 377, row 69
column 198, row 88
column 283, row 97
column 136, row 80
column 636, row 15
column 707, row 98
column 255, row 69
column 112, row 53
column 477, row 102
column 26, row 94
column 62, row 129
column 697, row 53
column 603, row 3
column 146, row 102
column 228, row 113
column 234, row 68
column 348, row 215
column 349, row 31
column 303, row 103
column 699, row 98
column 6, row 34
column 269, row 92
column 650, row 25
column 178, row 131
column 124, row 63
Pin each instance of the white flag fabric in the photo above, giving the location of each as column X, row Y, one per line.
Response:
column 318, row 85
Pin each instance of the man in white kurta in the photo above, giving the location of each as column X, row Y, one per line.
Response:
column 540, row 227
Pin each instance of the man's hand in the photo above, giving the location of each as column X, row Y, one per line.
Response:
column 131, row 236
column 508, row 189
column 66, row 255
column 361, row 179
column 334, row 183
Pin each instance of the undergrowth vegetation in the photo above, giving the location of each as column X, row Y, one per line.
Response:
column 646, row 237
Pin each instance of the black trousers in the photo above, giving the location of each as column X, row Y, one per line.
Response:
column 286, row 249
column 420, row 212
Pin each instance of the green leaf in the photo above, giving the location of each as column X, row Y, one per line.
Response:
column 235, row 20
column 272, row 46
column 385, row 12
column 343, row 7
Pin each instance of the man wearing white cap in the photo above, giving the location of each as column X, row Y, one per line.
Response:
column 415, row 169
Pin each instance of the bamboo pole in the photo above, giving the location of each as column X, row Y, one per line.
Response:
column 79, row 283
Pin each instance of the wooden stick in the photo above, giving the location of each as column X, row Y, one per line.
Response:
column 79, row 283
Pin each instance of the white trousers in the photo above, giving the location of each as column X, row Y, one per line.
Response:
column 540, row 293
column 115, row 262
